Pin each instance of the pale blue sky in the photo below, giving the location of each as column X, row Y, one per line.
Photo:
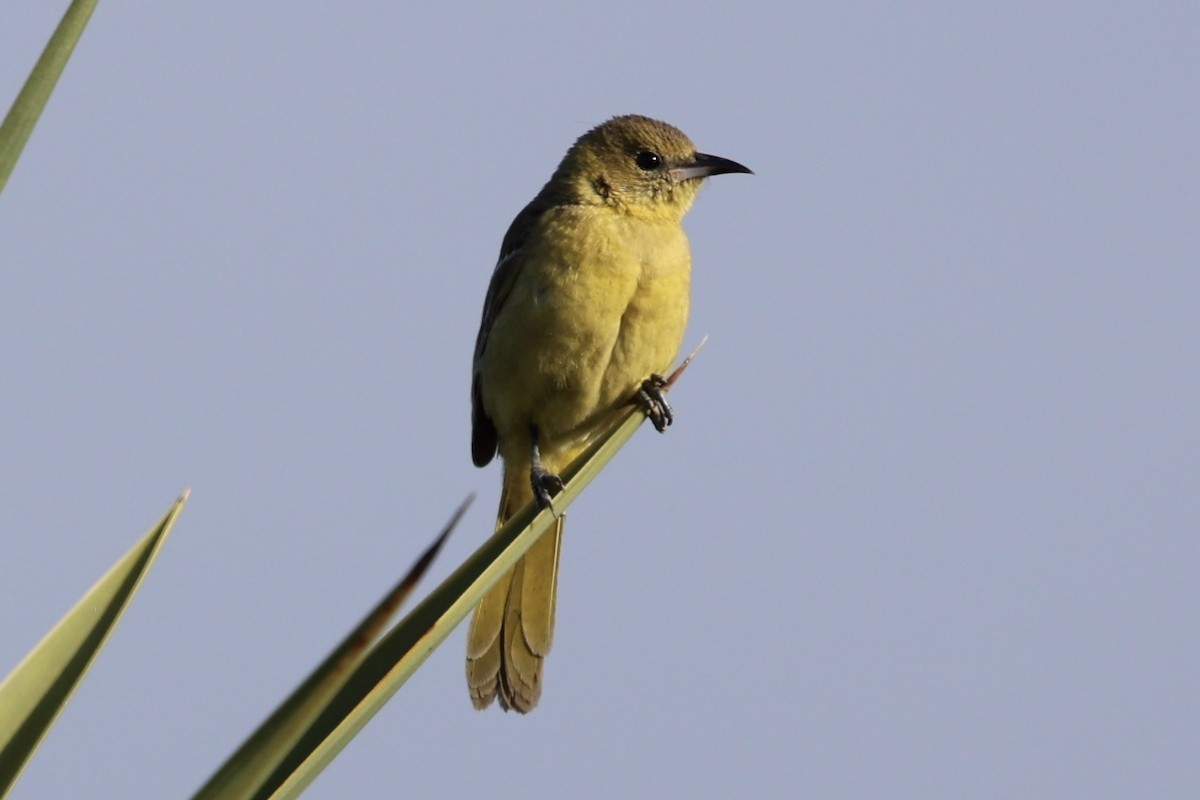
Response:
column 927, row 524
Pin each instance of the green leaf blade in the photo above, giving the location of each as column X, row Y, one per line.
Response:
column 27, row 108
column 32, row 696
column 394, row 660
column 245, row 772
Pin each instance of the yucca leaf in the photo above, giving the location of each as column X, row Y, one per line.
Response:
column 26, row 109
column 398, row 655
column 36, row 691
column 244, row 773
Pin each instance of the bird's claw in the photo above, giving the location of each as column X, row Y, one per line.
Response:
column 545, row 485
column 653, row 400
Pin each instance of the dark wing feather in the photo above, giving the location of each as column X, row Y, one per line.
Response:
column 484, row 439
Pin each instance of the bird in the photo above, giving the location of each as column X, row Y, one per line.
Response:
column 585, row 311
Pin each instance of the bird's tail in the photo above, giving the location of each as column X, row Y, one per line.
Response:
column 513, row 626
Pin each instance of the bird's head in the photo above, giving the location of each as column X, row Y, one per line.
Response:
column 639, row 165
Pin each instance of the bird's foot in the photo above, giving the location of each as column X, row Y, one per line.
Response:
column 653, row 401
column 545, row 485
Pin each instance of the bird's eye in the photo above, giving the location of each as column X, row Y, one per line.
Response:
column 648, row 160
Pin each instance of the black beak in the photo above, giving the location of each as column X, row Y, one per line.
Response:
column 703, row 165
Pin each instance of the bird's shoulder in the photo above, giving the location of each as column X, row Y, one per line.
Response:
column 531, row 221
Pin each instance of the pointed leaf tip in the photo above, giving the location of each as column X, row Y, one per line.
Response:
column 674, row 376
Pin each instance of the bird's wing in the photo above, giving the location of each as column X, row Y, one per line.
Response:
column 483, row 433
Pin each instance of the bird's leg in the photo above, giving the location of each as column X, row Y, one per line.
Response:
column 653, row 401
column 543, row 481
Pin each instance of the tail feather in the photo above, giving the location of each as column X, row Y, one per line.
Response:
column 513, row 626
column 483, row 644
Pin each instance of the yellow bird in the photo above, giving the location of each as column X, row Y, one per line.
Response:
column 585, row 311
